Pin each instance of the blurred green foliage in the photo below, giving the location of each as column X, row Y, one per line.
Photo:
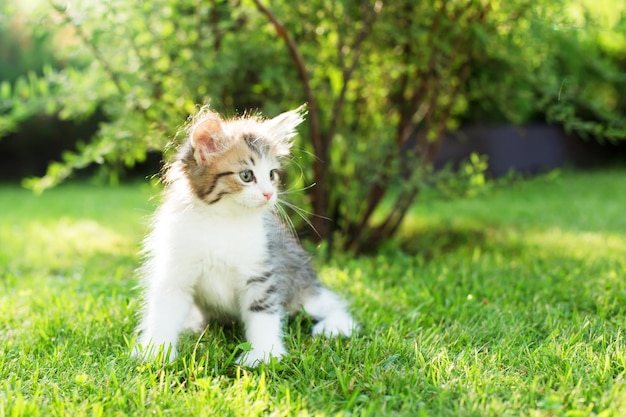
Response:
column 24, row 46
column 383, row 81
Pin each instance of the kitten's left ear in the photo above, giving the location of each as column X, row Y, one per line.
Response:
column 282, row 128
column 207, row 138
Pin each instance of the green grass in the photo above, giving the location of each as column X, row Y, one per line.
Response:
column 509, row 304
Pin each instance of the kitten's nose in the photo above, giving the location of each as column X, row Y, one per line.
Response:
column 268, row 195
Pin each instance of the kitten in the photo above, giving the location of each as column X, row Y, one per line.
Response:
column 217, row 244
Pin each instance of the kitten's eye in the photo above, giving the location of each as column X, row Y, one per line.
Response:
column 246, row 175
column 273, row 175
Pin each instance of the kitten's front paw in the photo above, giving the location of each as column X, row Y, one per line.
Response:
column 339, row 324
column 255, row 357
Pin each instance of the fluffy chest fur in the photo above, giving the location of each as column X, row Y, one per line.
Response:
column 215, row 253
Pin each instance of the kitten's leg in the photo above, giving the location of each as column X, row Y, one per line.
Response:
column 264, row 332
column 262, row 315
column 330, row 312
column 163, row 319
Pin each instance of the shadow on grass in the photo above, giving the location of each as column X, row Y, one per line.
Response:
column 434, row 241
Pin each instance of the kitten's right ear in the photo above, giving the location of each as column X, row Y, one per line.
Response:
column 207, row 139
column 282, row 128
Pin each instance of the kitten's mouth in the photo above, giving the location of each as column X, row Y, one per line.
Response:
column 258, row 204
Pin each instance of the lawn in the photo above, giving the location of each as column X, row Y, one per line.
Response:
column 513, row 303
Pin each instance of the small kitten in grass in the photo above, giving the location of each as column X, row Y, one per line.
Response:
column 218, row 246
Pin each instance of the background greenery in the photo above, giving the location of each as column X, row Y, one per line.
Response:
column 383, row 81
column 511, row 304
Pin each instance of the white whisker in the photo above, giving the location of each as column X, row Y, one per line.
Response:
column 300, row 178
column 281, row 213
column 303, row 214
column 294, row 190
column 299, row 151
column 302, row 211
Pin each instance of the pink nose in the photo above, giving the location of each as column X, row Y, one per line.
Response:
column 268, row 195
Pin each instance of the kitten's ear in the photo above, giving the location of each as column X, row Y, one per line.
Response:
column 282, row 128
column 207, row 138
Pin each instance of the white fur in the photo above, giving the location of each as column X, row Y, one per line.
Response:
column 282, row 128
column 263, row 331
column 331, row 312
column 199, row 251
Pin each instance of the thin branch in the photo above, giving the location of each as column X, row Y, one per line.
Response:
column 115, row 76
column 302, row 72
column 213, row 23
column 97, row 53
column 416, row 102
column 347, row 72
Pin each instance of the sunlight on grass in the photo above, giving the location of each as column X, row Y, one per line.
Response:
column 62, row 242
column 78, row 236
column 584, row 246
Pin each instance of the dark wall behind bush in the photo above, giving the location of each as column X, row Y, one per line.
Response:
column 43, row 139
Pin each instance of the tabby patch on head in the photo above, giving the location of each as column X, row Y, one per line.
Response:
column 237, row 160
